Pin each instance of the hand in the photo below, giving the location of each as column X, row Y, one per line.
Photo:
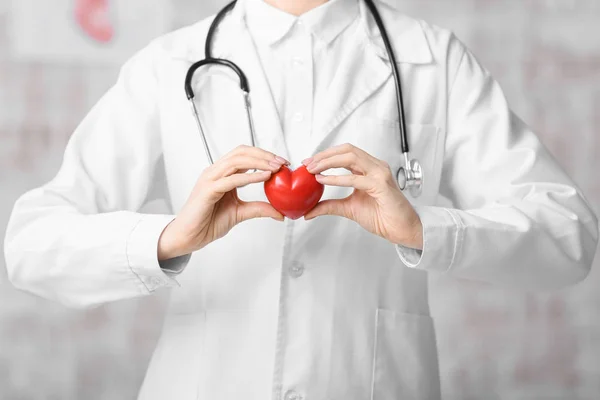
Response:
column 377, row 203
column 213, row 208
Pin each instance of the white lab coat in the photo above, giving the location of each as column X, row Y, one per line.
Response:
column 312, row 310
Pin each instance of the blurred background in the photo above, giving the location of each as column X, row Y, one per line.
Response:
column 57, row 58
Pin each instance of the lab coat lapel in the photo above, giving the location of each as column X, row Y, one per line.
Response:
column 360, row 74
column 365, row 68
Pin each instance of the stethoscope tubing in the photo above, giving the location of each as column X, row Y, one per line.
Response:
column 411, row 175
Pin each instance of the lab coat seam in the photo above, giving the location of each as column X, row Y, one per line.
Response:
column 374, row 357
column 279, row 356
column 277, row 371
column 460, row 61
column 127, row 242
column 458, row 226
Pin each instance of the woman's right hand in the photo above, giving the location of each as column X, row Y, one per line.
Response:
column 213, row 208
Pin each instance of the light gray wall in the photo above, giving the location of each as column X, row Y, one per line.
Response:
column 493, row 344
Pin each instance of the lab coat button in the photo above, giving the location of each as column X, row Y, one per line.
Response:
column 296, row 270
column 298, row 117
column 291, row 395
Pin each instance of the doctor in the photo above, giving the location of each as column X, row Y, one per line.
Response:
column 333, row 306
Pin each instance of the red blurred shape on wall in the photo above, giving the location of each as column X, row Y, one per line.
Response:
column 94, row 19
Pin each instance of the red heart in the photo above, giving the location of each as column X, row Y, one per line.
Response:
column 293, row 193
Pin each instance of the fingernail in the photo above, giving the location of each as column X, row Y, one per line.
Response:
column 307, row 161
column 319, row 177
column 274, row 164
column 281, row 160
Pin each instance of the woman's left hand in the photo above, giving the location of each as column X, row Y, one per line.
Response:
column 377, row 203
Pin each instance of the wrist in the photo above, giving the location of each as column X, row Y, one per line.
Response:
column 170, row 244
column 411, row 235
column 418, row 235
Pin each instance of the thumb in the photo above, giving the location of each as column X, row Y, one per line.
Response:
column 257, row 209
column 329, row 207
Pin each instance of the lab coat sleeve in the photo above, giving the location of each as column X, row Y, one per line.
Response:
column 80, row 239
column 517, row 220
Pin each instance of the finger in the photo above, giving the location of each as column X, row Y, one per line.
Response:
column 257, row 209
column 229, row 166
column 351, row 161
column 355, row 181
column 256, row 152
column 337, row 207
column 339, row 149
column 234, row 181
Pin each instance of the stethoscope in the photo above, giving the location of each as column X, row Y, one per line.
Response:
column 409, row 177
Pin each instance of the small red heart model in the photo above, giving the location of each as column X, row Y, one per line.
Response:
column 293, row 193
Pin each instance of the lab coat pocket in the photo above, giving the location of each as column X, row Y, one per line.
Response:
column 405, row 364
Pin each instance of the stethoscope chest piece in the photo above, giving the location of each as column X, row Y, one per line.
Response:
column 411, row 177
